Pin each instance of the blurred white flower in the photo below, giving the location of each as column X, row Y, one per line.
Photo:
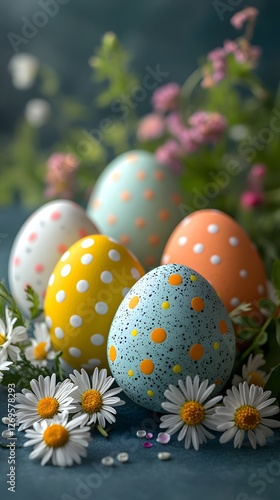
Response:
column 23, row 69
column 4, row 364
column 9, row 336
column 37, row 112
column 40, row 350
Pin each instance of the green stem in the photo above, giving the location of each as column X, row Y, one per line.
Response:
column 254, row 344
column 190, row 84
column 102, row 431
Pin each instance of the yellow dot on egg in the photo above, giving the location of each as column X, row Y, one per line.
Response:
column 165, row 305
column 177, row 369
column 193, row 277
column 134, row 332
column 130, row 373
column 113, row 353
column 150, row 393
column 216, row 345
column 133, row 302
column 218, row 381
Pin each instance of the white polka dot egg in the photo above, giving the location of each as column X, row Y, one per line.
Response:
column 85, row 289
column 170, row 324
column 39, row 244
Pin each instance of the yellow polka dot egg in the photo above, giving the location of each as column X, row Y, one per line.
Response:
column 85, row 289
column 169, row 325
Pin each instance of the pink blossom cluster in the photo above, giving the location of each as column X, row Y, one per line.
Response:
column 253, row 196
column 249, row 14
column 60, row 176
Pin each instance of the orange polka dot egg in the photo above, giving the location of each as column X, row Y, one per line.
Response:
column 216, row 246
column 135, row 200
column 85, row 289
column 170, row 324
column 41, row 241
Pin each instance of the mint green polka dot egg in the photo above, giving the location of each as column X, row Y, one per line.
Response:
column 136, row 201
column 170, row 324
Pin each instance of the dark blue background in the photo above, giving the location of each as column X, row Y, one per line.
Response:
column 172, row 33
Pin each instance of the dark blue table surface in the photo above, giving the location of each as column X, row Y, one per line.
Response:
column 216, row 471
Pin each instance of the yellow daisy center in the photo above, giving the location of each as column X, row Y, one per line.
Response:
column 56, row 436
column 2, row 338
column 40, row 351
column 247, row 417
column 91, row 401
column 47, row 407
column 256, row 378
column 192, row 413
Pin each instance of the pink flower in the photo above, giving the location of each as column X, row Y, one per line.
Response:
column 242, row 17
column 190, row 139
column 258, row 171
column 209, row 126
column 251, row 199
column 61, row 175
column 150, row 127
column 174, row 123
column 166, row 98
column 170, row 154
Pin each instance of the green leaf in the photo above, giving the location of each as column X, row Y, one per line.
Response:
column 32, row 297
column 277, row 332
column 268, row 306
column 245, row 334
column 276, row 277
column 8, row 300
column 262, row 338
column 273, row 383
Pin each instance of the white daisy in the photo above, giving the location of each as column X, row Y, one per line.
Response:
column 61, row 441
column 40, row 350
column 46, row 400
column 93, row 400
column 189, row 415
column 246, row 410
column 251, row 372
column 4, row 364
column 10, row 336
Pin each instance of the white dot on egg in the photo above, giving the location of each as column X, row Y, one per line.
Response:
column 87, row 258
column 65, row 270
column 76, row 321
column 59, row 333
column 261, row 289
column 243, row 273
column 213, row 228
column 89, row 242
column 60, row 296
column 82, row 286
column 234, row 302
column 233, row 241
column 114, row 255
column 198, row 248
column 182, row 241
column 97, row 339
column 48, row 321
column 135, row 273
column 65, row 256
column 106, row 277
column 75, row 352
column 101, row 308
column 215, row 260
column 125, row 290
column 165, row 258
column 51, row 280
column 94, row 362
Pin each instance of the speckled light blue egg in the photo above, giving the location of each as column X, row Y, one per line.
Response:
column 170, row 324
column 136, row 201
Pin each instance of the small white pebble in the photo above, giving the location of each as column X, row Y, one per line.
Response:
column 6, row 420
column 164, row 455
column 107, row 461
column 141, row 434
column 123, row 457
